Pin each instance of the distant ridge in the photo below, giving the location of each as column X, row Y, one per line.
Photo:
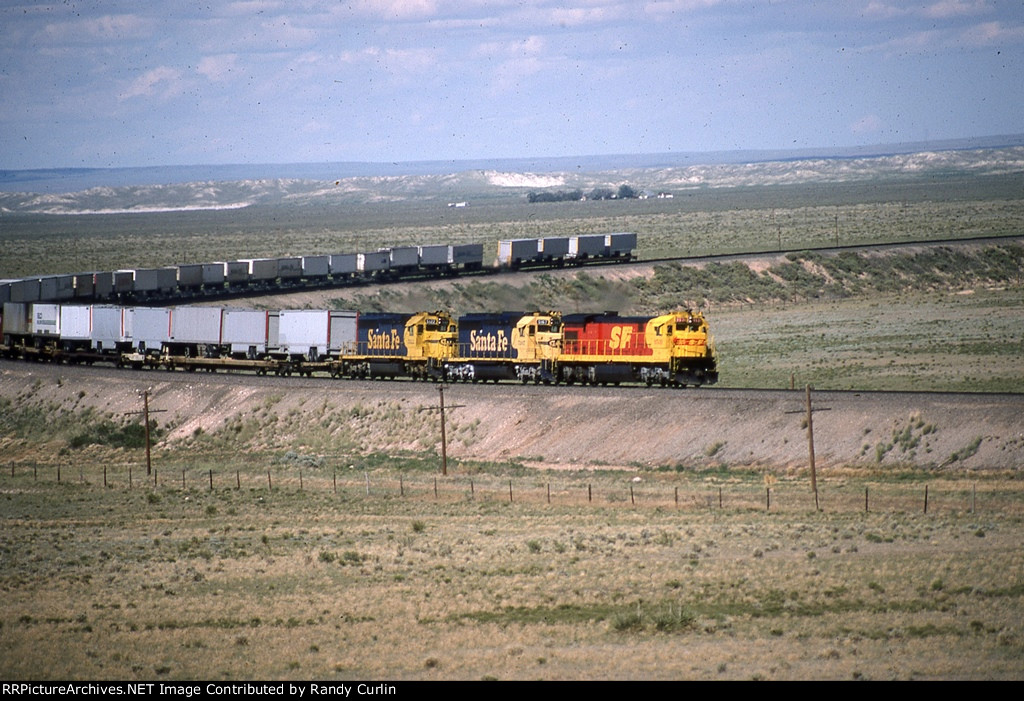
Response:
column 63, row 180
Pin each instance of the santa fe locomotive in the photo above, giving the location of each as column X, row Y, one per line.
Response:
column 673, row 349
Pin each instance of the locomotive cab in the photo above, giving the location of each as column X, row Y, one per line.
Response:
column 682, row 342
column 538, row 337
column 431, row 336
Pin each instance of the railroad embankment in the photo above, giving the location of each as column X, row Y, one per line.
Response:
column 59, row 413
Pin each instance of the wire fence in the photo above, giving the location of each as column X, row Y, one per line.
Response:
column 684, row 493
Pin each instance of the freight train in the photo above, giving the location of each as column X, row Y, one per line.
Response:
column 192, row 280
column 673, row 349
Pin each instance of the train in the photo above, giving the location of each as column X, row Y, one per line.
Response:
column 266, row 275
column 674, row 349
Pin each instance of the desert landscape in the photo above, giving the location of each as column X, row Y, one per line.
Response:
column 301, row 527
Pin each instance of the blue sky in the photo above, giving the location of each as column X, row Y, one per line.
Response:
column 126, row 83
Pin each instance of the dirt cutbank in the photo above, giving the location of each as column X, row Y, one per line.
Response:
column 556, row 427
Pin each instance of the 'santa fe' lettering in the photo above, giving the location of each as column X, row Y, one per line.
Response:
column 488, row 342
column 387, row 340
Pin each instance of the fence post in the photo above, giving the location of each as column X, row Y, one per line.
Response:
column 238, row 480
column 590, row 493
column 926, row 498
column 472, row 490
column 334, row 479
column 676, row 497
column 104, row 475
column 270, row 486
column 631, row 499
column 719, row 497
column 211, row 480
column 183, row 480
column 510, row 491
column 865, row 499
column 549, row 492
column 767, row 498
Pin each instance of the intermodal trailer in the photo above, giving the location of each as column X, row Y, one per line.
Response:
column 85, row 285
column 344, row 265
column 195, row 331
column 236, row 272
column 316, row 267
column 54, row 288
column 403, row 257
column 514, row 252
column 552, row 248
column 249, row 332
column 315, row 334
column 45, row 319
column 375, row 262
column 190, row 276
column 588, row 246
column 467, row 256
column 148, row 327
column 620, row 245
column 434, row 256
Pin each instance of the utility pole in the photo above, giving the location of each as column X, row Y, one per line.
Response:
column 444, row 439
column 810, row 447
column 145, row 418
column 810, row 439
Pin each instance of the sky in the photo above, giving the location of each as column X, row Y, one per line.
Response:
column 123, row 83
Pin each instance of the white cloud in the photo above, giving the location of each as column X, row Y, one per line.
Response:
column 395, row 9
column 989, row 33
column 162, row 82
column 955, row 8
column 96, row 29
column 217, row 68
column 868, row 124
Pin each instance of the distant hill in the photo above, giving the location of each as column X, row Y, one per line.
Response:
column 184, row 188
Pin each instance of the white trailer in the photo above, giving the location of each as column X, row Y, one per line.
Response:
column 553, row 248
column 344, row 264
column 315, row 334
column 315, row 267
column 620, row 245
column 434, row 256
column 513, row 252
column 195, row 330
column 56, row 287
column 107, row 327
column 466, row 255
column 588, row 246
column 190, row 276
column 45, row 319
column 373, row 262
column 403, row 257
column 248, row 331
column 289, row 268
column 213, row 274
column 148, row 327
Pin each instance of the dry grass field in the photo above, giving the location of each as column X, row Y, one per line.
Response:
column 381, row 579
